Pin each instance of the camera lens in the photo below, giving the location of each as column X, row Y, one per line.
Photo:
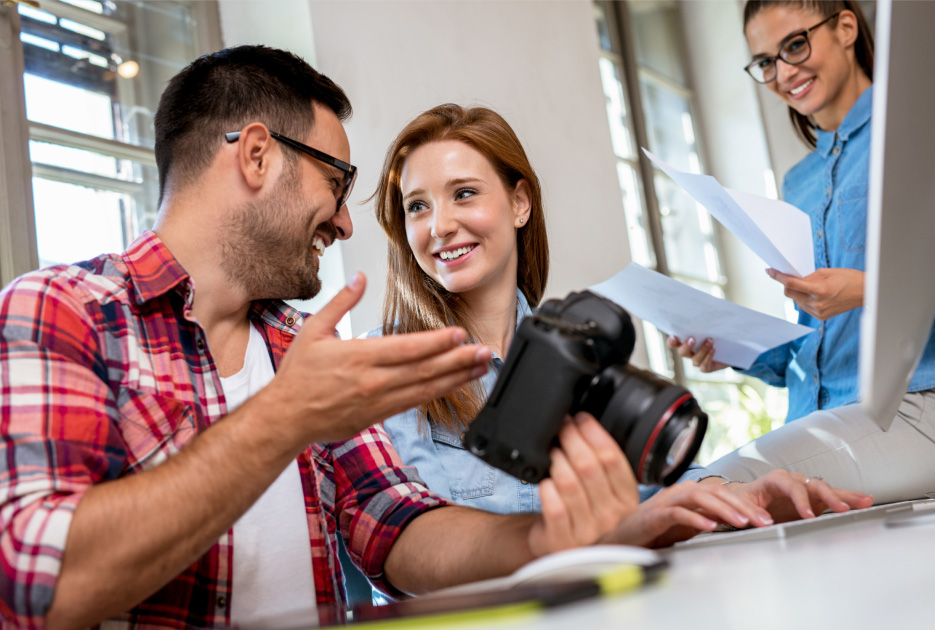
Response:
column 681, row 446
column 658, row 424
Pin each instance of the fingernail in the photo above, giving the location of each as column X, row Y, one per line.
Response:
column 690, row 341
column 741, row 518
column 355, row 281
column 483, row 355
column 580, row 418
column 769, row 272
column 479, row 370
column 809, row 513
column 708, row 343
column 458, row 336
column 709, row 525
column 765, row 519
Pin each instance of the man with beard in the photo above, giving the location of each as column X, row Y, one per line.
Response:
column 181, row 448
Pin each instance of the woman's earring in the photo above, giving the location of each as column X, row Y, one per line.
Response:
column 521, row 219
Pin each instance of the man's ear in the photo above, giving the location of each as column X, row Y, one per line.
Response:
column 254, row 154
column 522, row 203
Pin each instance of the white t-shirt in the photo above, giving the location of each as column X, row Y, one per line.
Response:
column 273, row 584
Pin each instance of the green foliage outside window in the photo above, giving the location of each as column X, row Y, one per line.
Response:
column 737, row 414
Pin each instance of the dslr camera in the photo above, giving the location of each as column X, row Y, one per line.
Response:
column 572, row 356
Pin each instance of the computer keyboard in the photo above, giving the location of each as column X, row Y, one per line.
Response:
column 797, row 528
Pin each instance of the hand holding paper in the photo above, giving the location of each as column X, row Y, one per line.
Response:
column 740, row 335
column 776, row 231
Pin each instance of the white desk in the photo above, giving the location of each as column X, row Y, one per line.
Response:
column 855, row 575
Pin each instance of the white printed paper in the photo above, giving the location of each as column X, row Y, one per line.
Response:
column 776, row 231
column 740, row 334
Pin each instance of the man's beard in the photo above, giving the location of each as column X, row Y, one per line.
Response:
column 268, row 251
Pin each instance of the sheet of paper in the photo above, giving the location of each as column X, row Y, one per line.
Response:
column 740, row 334
column 776, row 231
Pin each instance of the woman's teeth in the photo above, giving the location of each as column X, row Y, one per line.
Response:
column 798, row 90
column 455, row 253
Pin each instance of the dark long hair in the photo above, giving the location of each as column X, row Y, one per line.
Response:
column 863, row 46
column 415, row 302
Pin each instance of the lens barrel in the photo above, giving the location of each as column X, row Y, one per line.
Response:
column 658, row 424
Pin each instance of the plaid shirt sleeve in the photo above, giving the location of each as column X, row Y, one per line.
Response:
column 375, row 498
column 57, row 439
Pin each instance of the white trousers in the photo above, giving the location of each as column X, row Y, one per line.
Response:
column 849, row 450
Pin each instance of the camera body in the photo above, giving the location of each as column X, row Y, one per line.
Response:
column 572, row 356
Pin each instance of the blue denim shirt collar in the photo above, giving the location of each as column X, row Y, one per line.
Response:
column 523, row 310
column 857, row 117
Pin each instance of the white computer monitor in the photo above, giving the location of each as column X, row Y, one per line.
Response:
column 899, row 297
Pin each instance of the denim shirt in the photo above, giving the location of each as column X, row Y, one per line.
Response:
column 448, row 469
column 830, row 185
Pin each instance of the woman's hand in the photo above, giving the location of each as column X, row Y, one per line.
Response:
column 590, row 489
column 702, row 358
column 791, row 496
column 825, row 293
column 682, row 510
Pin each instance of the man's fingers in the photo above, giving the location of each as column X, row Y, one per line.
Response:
column 556, row 517
column 616, row 469
column 573, row 495
column 398, row 350
column 470, row 357
column 393, row 400
column 324, row 323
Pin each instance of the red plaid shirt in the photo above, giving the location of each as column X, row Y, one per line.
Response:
column 102, row 375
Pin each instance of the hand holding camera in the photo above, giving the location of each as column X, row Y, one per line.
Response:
column 572, row 356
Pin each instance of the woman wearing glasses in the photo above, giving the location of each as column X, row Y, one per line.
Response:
column 817, row 56
column 463, row 211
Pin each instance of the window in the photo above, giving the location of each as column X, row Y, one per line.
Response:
column 92, row 72
column 650, row 104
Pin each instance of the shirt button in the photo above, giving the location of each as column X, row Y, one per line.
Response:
column 201, row 344
column 290, row 321
column 828, row 192
column 816, row 378
column 524, row 482
column 819, row 233
column 836, row 150
column 222, row 602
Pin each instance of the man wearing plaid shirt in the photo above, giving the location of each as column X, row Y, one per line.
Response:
column 180, row 448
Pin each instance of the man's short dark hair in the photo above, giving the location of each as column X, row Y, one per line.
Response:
column 225, row 91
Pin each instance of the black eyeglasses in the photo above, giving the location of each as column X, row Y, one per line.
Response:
column 349, row 170
column 794, row 49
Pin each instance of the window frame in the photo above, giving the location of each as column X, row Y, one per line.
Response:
column 18, row 242
column 620, row 29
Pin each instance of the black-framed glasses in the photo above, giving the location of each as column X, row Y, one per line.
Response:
column 349, row 170
column 794, row 49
